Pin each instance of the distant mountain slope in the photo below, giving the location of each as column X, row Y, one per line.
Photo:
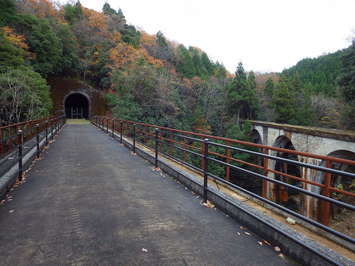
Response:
column 319, row 74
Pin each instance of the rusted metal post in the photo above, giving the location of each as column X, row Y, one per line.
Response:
column 52, row 130
column 325, row 205
column 185, row 154
column 134, row 138
column 170, row 143
column 46, row 124
column 20, row 153
column 266, row 172
column 228, row 169
column 202, row 161
column 205, row 170
column 156, row 147
column 161, row 141
column 113, row 128
column 121, row 133
column 107, row 121
column 37, row 140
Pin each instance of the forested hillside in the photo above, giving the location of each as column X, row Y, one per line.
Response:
column 314, row 92
column 149, row 78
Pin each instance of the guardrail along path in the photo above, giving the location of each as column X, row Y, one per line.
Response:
column 92, row 202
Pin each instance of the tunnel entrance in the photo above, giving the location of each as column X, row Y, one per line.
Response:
column 77, row 106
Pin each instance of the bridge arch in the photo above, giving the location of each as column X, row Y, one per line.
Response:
column 77, row 104
column 339, row 216
column 255, row 137
column 283, row 195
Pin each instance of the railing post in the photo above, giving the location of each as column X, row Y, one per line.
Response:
column 134, row 138
column 156, row 147
column 37, row 140
column 228, row 160
column 52, row 130
column 113, row 128
column 107, row 125
column 266, row 172
column 20, row 153
column 205, row 170
column 121, row 129
column 47, row 133
column 325, row 205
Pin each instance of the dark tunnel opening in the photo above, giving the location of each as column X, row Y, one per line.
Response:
column 77, row 106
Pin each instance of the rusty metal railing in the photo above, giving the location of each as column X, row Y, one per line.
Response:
column 9, row 134
column 14, row 137
column 208, row 151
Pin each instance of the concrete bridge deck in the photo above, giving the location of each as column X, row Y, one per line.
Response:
column 91, row 202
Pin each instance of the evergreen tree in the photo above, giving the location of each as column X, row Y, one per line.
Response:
column 242, row 100
column 269, row 87
column 347, row 85
column 185, row 65
column 7, row 12
column 73, row 13
column 107, row 10
column 43, row 42
column 207, row 64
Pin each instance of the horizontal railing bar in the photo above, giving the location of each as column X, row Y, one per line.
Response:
column 340, row 203
column 316, row 167
column 186, row 137
column 306, row 154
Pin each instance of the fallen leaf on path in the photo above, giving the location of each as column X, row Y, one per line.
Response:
column 281, row 256
column 260, row 243
column 247, row 233
column 242, row 227
column 238, row 233
column 266, row 242
column 11, row 211
column 144, row 250
column 290, row 220
column 208, row 204
column 277, row 249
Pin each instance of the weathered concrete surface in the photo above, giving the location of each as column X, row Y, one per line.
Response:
column 91, row 202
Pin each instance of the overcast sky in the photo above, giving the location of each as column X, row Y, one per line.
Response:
column 265, row 35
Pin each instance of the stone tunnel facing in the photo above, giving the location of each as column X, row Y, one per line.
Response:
column 77, row 106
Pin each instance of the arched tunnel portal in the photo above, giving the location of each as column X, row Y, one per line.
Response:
column 77, row 106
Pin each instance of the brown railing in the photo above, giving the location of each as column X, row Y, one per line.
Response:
column 18, row 139
column 9, row 134
column 209, row 151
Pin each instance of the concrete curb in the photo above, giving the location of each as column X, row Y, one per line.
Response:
column 295, row 245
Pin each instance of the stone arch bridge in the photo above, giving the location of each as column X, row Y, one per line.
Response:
column 319, row 141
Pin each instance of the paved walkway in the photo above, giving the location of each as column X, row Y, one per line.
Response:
column 91, row 202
